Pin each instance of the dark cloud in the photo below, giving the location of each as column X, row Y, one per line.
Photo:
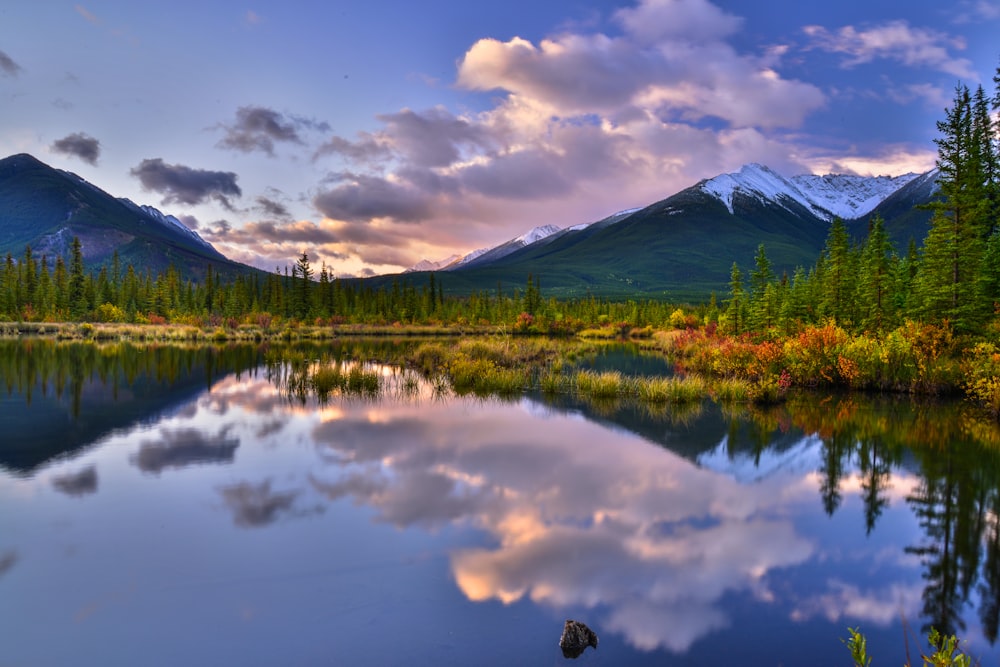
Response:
column 77, row 484
column 189, row 221
column 258, row 128
column 255, row 505
column 433, row 138
column 368, row 197
column 180, row 184
column 272, row 208
column 79, row 145
column 366, row 150
column 7, row 561
column 185, row 447
column 8, row 66
column 253, row 233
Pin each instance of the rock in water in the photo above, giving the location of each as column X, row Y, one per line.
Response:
column 576, row 637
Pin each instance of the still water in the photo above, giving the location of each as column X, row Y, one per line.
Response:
column 165, row 505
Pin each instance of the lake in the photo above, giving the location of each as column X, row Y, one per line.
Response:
column 165, row 505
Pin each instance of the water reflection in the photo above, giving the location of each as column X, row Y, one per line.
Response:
column 179, row 448
column 256, row 505
column 77, row 483
column 679, row 532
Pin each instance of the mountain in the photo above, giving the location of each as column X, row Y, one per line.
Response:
column 45, row 208
column 683, row 247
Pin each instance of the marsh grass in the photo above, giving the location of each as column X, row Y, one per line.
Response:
column 609, row 384
column 688, row 389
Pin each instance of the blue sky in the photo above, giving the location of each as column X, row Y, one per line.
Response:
column 374, row 134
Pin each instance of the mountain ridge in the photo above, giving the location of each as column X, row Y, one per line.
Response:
column 45, row 208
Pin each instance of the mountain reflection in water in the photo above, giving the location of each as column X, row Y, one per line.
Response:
column 708, row 535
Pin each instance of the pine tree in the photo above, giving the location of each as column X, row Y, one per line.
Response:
column 875, row 283
column 839, row 271
column 761, row 309
column 737, row 301
column 77, row 278
column 949, row 283
column 303, row 274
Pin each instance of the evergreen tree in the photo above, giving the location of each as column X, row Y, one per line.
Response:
column 737, row 301
column 77, row 277
column 875, row 283
column 838, row 282
column 761, row 309
column 949, row 282
column 302, row 277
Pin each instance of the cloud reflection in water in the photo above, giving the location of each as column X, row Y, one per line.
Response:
column 581, row 516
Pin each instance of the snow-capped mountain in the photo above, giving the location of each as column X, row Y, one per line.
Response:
column 164, row 218
column 496, row 252
column 427, row 265
column 826, row 197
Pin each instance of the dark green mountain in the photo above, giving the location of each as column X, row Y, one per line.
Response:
column 45, row 208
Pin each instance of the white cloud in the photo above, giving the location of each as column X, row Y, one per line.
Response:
column 895, row 40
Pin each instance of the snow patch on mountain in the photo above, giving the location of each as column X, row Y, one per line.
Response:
column 427, row 265
column 165, row 219
column 849, row 197
column 746, row 468
column 537, row 234
column 826, row 197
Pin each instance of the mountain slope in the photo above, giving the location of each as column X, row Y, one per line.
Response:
column 683, row 247
column 45, row 208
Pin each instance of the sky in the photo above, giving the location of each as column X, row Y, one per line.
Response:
column 374, row 134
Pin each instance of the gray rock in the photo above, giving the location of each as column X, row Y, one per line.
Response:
column 576, row 637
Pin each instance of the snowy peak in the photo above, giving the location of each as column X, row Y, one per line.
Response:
column 427, row 265
column 537, row 234
column 849, row 197
column 165, row 219
column 827, row 197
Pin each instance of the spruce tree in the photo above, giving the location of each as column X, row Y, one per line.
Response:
column 838, row 277
column 737, row 298
column 875, row 282
column 77, row 278
column 949, row 283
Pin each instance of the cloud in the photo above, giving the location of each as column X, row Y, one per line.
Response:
column 258, row 128
column 87, row 15
column 366, row 150
column 79, row 145
column 896, row 40
column 77, row 484
column 256, row 505
column 8, row 66
column 583, row 123
column 180, row 184
column 184, row 447
column 7, row 560
column 272, row 208
column 367, row 196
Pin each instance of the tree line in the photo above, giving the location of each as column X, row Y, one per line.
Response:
column 33, row 288
column 953, row 277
